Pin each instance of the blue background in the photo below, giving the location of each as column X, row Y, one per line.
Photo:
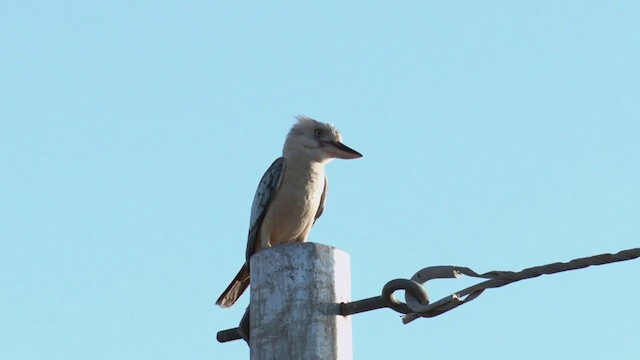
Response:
column 495, row 134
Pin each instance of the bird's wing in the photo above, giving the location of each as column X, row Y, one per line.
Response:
column 267, row 188
column 322, row 199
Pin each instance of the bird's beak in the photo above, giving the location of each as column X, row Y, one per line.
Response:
column 340, row 150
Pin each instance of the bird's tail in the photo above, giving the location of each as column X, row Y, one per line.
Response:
column 235, row 289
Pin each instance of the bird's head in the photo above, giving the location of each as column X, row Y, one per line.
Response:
column 316, row 140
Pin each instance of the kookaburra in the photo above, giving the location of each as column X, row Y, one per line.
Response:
column 291, row 194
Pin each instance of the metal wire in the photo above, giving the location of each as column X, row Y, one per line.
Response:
column 499, row 279
column 417, row 303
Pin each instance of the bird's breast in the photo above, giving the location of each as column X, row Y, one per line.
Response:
column 293, row 209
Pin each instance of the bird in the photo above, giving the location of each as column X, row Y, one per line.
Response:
column 291, row 194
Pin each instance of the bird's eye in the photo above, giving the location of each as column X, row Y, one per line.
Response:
column 318, row 132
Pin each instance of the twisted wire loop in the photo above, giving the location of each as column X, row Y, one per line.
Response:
column 496, row 279
column 417, row 303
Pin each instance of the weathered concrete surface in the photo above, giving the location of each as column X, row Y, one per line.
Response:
column 295, row 292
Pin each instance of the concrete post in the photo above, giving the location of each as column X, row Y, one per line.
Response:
column 295, row 292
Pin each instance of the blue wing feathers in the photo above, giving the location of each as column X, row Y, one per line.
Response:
column 267, row 188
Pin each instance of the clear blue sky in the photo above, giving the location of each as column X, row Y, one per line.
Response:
column 495, row 134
